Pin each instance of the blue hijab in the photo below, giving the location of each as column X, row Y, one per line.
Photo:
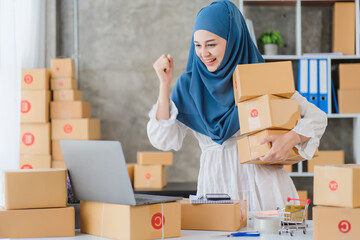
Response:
column 205, row 100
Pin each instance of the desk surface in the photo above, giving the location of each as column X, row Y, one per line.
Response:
column 199, row 235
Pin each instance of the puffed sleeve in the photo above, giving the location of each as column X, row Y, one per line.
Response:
column 312, row 124
column 168, row 134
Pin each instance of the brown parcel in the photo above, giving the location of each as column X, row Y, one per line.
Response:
column 250, row 150
column 56, row 150
column 218, row 217
column 78, row 129
column 267, row 112
column 58, row 164
column 35, row 138
column 337, row 186
column 326, row 158
column 35, row 79
column 35, row 161
column 63, row 84
column 155, row 158
column 254, row 80
column 130, row 222
column 150, row 176
column 349, row 100
column 62, row 68
column 35, row 188
column 69, row 109
column 35, row 106
column 349, row 76
column 131, row 169
column 37, row 223
column 67, row 95
column 334, row 223
column 344, row 28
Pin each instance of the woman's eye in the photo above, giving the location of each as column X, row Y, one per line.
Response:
column 197, row 45
column 211, row 45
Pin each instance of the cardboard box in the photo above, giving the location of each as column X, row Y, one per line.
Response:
column 333, row 223
column 250, row 150
column 349, row 100
column 62, row 68
column 117, row 221
column 35, row 161
column 37, row 223
column 35, row 79
column 327, row 158
column 64, row 84
column 337, row 185
column 67, row 110
column 35, row 138
column 150, row 176
column 155, row 158
column 56, row 150
column 35, row 188
column 254, row 80
column 131, row 169
column 267, row 112
column 349, row 76
column 303, row 194
column 218, row 217
column 59, row 164
column 67, row 95
column 81, row 129
column 343, row 39
column 35, row 106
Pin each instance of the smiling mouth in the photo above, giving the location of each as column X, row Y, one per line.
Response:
column 209, row 62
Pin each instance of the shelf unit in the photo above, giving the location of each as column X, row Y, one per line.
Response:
column 299, row 55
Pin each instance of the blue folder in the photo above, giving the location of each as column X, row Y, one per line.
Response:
column 323, row 85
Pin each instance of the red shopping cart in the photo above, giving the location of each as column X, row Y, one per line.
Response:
column 293, row 217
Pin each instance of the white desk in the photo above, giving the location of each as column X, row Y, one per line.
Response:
column 199, row 235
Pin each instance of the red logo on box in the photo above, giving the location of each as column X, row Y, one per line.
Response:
column 61, row 83
column 157, row 221
column 235, row 84
column 28, row 79
column 26, row 166
column 254, row 113
column 25, row 106
column 148, row 176
column 62, row 95
column 68, row 128
column 28, row 139
column 344, row 226
column 333, row 185
column 57, row 68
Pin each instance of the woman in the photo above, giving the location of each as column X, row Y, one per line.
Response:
column 203, row 101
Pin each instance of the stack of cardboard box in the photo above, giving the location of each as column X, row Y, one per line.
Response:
column 262, row 93
column 349, row 88
column 150, row 171
column 35, row 205
column 70, row 117
column 337, row 196
column 35, row 126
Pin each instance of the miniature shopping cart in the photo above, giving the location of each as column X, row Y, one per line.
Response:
column 293, row 216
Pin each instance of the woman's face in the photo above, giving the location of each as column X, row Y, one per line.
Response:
column 210, row 48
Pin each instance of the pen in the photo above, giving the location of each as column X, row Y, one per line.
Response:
column 245, row 234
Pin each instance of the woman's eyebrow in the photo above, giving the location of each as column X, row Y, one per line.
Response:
column 206, row 41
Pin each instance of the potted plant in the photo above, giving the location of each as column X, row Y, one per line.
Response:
column 271, row 40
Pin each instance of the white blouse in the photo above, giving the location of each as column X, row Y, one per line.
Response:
column 265, row 187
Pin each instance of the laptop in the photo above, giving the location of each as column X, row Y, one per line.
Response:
column 98, row 173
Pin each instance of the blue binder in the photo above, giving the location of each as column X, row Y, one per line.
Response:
column 323, row 85
column 303, row 78
column 334, row 97
column 313, row 96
